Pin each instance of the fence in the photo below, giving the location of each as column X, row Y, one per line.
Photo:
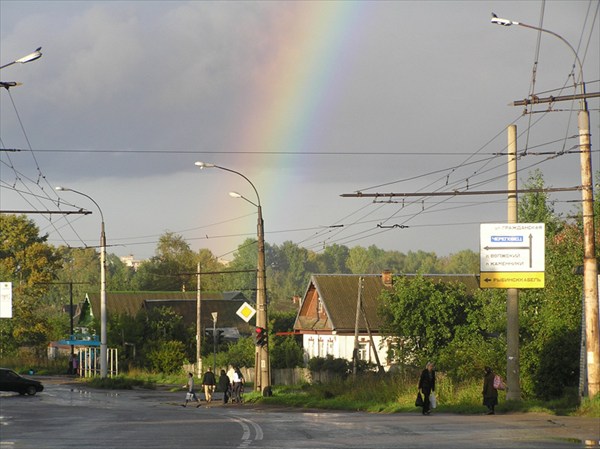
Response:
column 89, row 362
column 286, row 376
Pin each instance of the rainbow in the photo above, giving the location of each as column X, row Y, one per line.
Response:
column 301, row 84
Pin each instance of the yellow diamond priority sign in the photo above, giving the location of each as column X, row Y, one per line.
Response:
column 246, row 312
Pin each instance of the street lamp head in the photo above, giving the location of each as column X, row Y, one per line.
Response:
column 235, row 195
column 504, row 22
column 61, row 189
column 37, row 54
column 28, row 58
column 202, row 165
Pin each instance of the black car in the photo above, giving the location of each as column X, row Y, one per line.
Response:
column 11, row 381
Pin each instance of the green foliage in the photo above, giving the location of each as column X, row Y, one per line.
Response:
column 286, row 352
column 558, row 367
column 241, row 353
column 167, row 357
column 537, row 207
column 30, row 264
column 339, row 367
column 424, row 316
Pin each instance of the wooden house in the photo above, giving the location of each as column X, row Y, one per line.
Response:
column 327, row 318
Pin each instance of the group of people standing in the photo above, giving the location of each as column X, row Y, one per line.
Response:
column 427, row 388
column 232, row 389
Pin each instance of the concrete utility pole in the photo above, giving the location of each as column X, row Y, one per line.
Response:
column 262, row 365
column 512, row 294
column 198, row 325
column 590, row 266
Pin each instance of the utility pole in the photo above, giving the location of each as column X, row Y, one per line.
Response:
column 358, row 308
column 590, row 267
column 513, row 374
column 198, row 325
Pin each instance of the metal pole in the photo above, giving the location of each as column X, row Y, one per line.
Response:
column 103, row 352
column 71, row 322
column 198, row 326
column 103, row 339
column 214, row 342
column 512, row 294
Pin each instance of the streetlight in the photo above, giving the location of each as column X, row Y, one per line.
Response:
column 262, row 367
column 103, row 348
column 590, row 267
column 28, row 58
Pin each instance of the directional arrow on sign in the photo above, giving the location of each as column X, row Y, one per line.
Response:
column 530, row 248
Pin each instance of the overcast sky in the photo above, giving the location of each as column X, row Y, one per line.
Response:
column 308, row 100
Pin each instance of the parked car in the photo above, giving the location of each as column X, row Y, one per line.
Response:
column 11, row 381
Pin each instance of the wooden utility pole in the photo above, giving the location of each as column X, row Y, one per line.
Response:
column 358, row 309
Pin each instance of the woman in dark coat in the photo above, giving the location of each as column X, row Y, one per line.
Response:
column 224, row 386
column 490, row 394
column 426, row 386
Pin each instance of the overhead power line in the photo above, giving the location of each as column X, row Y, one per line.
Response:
column 457, row 193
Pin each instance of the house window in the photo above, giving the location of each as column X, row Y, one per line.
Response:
column 363, row 351
column 319, row 306
column 320, row 350
column 329, row 346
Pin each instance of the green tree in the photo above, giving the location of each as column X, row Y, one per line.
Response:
column 289, row 272
column 168, row 357
column 30, row 264
column 359, row 260
column 462, row 262
column 333, row 259
column 537, row 207
column 245, row 258
column 423, row 315
column 241, row 353
column 170, row 269
column 286, row 353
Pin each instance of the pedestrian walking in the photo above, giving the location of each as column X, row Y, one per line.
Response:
column 238, row 386
column 191, row 393
column 490, row 393
column 427, row 386
column 224, row 386
column 209, row 382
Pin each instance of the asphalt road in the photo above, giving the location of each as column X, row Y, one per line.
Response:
column 66, row 415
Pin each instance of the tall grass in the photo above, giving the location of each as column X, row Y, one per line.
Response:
column 25, row 362
column 391, row 393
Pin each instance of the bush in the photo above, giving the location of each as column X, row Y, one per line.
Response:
column 339, row 367
column 286, row 353
column 167, row 357
column 558, row 366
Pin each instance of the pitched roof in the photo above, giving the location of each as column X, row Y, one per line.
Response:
column 132, row 302
column 225, row 309
column 339, row 293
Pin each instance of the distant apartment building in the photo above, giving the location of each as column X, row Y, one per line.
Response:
column 130, row 261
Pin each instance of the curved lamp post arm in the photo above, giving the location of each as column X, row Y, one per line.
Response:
column 590, row 266
column 103, row 316
column 262, row 365
column 507, row 22
column 206, row 165
column 37, row 54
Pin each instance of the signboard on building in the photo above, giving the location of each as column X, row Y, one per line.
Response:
column 512, row 255
column 5, row 299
